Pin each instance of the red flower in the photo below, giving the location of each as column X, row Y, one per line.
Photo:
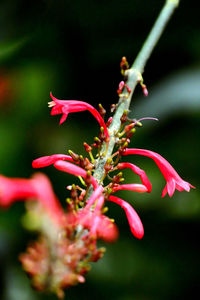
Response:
column 103, row 228
column 38, row 188
column 69, row 106
column 139, row 172
column 133, row 218
column 91, row 218
column 95, row 195
column 56, row 160
column 135, row 187
column 99, row 225
column 45, row 161
column 74, row 170
column 46, row 195
column 15, row 189
column 174, row 181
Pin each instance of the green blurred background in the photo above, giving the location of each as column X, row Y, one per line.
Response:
column 73, row 48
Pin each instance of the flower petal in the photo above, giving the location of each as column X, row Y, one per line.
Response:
column 171, row 185
column 45, row 161
column 136, row 187
column 46, row 195
column 38, row 188
column 74, row 170
column 95, row 195
column 107, row 230
column 135, row 223
column 63, row 118
column 15, row 189
column 70, row 106
column 137, row 171
column 164, row 192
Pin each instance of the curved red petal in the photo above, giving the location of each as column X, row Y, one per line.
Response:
column 137, row 171
column 135, row 187
column 70, row 106
column 45, row 161
column 74, row 170
column 135, row 223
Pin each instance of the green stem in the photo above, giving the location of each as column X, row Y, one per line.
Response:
column 133, row 74
column 154, row 35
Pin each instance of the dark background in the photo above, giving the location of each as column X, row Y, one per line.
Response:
column 73, row 48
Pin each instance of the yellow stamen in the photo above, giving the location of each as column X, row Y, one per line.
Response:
column 51, row 104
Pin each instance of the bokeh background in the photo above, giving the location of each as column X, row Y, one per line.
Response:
column 73, row 48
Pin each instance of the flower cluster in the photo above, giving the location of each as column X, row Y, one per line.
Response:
column 68, row 237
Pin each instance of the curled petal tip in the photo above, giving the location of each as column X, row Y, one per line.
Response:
column 135, row 223
column 51, row 95
column 63, row 118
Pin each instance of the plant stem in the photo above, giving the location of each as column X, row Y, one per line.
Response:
column 154, row 35
column 133, row 74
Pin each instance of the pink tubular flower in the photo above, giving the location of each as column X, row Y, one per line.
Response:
column 45, row 161
column 38, row 187
column 135, row 187
column 174, row 181
column 104, row 228
column 69, row 106
column 15, row 189
column 91, row 218
column 99, row 225
column 135, row 223
column 137, row 171
column 45, row 194
column 95, row 195
column 74, row 170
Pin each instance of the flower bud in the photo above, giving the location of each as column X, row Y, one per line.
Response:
column 102, row 111
column 108, row 165
column 113, row 108
column 117, row 178
column 145, row 91
column 74, row 155
column 87, row 147
column 128, row 89
column 121, row 87
column 109, row 122
column 130, row 133
column 88, row 178
column 123, row 118
column 97, row 140
column 124, row 65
